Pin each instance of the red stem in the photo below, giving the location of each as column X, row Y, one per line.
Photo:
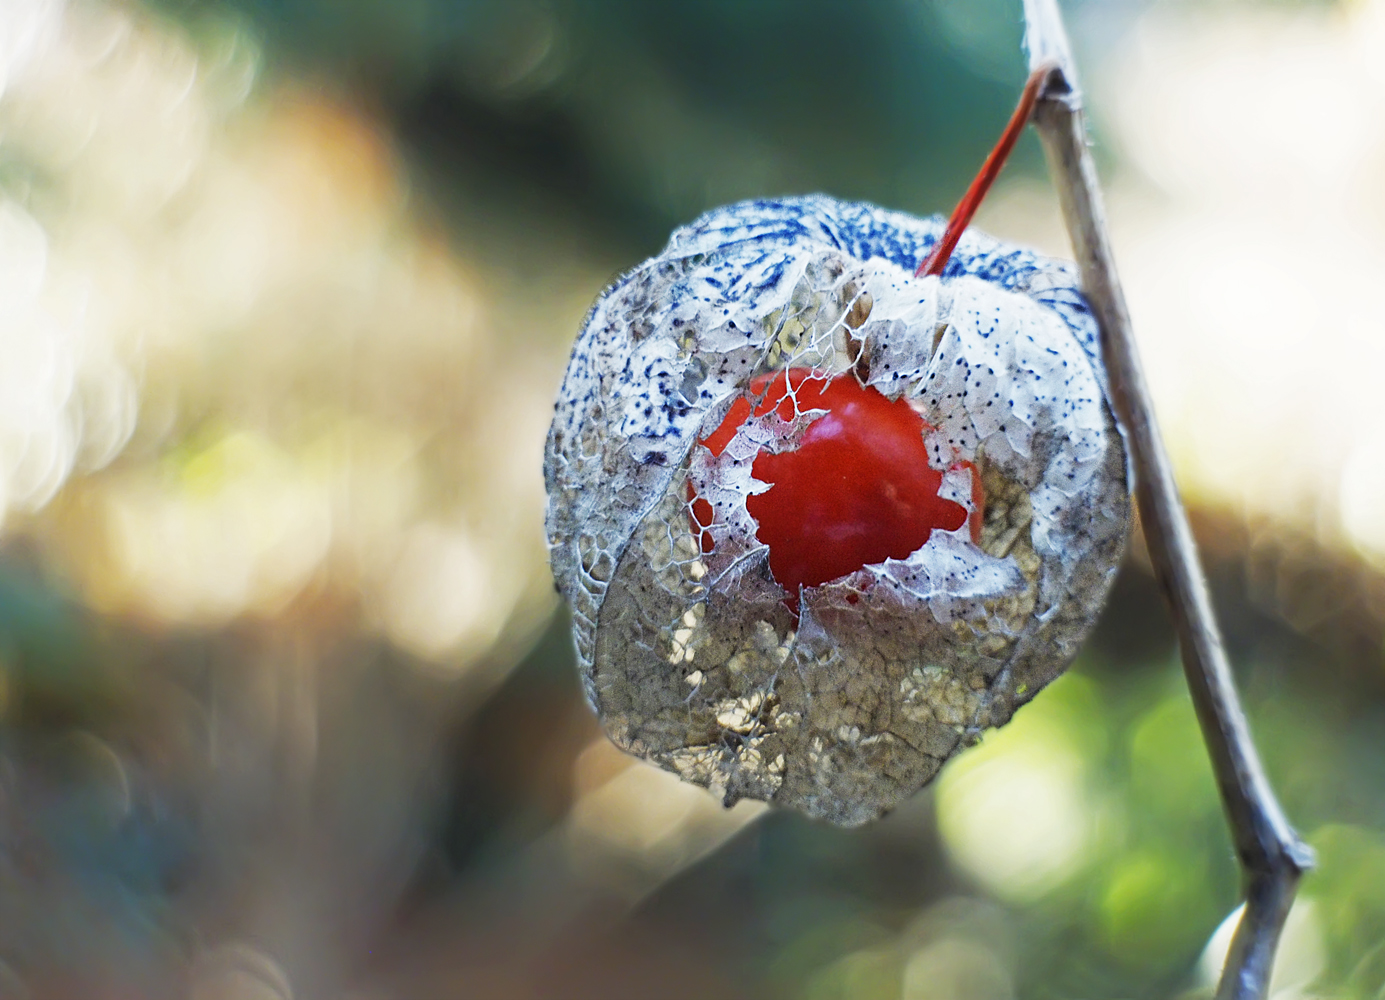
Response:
column 966, row 208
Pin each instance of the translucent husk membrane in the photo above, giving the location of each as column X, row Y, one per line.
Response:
column 691, row 658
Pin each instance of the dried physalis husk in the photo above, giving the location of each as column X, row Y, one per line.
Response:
column 845, row 697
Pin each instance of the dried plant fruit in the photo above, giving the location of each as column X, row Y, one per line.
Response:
column 856, row 490
column 777, row 397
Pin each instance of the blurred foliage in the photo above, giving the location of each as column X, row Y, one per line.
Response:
column 636, row 116
column 221, row 777
column 1108, row 883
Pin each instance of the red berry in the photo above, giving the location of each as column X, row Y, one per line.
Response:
column 857, row 490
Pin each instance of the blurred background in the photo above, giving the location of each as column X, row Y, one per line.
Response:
column 287, row 702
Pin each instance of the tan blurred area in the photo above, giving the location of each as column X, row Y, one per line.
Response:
column 270, row 443
column 315, row 398
column 255, row 394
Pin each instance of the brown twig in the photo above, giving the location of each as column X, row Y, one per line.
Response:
column 1271, row 854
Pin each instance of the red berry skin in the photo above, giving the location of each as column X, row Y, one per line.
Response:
column 856, row 490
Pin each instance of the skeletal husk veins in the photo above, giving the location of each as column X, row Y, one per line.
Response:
column 693, row 658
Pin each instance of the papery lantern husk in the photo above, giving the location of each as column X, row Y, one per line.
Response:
column 693, row 659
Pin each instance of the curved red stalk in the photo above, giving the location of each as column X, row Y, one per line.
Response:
column 966, row 208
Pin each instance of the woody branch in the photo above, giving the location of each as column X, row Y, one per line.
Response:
column 1271, row 855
